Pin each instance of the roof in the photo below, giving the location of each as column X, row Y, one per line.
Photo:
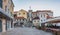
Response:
column 34, row 12
column 22, row 10
column 44, row 11
column 52, row 20
column 49, row 17
column 20, row 18
column 15, row 11
column 36, row 18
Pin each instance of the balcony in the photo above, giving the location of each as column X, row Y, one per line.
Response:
column 6, row 14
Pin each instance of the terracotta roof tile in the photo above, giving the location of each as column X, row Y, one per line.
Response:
column 49, row 17
column 36, row 18
column 20, row 18
column 34, row 12
column 15, row 12
column 44, row 11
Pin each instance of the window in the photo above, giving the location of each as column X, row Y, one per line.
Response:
column 34, row 21
column 19, row 13
column 11, row 14
column 8, row 9
column 38, row 20
column 41, row 15
column 5, row 8
column 23, row 19
column 20, row 19
column 17, row 19
column 44, row 20
column 41, row 20
column 44, row 15
column 23, row 13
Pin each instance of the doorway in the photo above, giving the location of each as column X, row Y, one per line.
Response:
column 21, row 24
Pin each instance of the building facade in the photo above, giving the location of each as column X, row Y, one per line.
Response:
column 36, row 21
column 35, row 14
column 30, row 15
column 42, row 14
column 5, row 15
column 22, row 13
column 21, row 17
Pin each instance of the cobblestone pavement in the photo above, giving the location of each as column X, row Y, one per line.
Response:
column 25, row 31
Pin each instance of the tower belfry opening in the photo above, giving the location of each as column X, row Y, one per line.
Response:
column 30, row 8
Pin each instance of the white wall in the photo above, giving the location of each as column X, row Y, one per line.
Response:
column 36, row 22
column 42, row 16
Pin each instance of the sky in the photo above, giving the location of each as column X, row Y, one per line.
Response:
column 53, row 5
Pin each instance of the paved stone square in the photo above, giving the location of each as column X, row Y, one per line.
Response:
column 26, row 31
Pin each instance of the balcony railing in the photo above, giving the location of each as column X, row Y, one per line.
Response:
column 6, row 13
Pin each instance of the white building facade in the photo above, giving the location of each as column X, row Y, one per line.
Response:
column 36, row 22
column 43, row 15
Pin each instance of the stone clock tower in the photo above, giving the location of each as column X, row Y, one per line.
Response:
column 30, row 17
